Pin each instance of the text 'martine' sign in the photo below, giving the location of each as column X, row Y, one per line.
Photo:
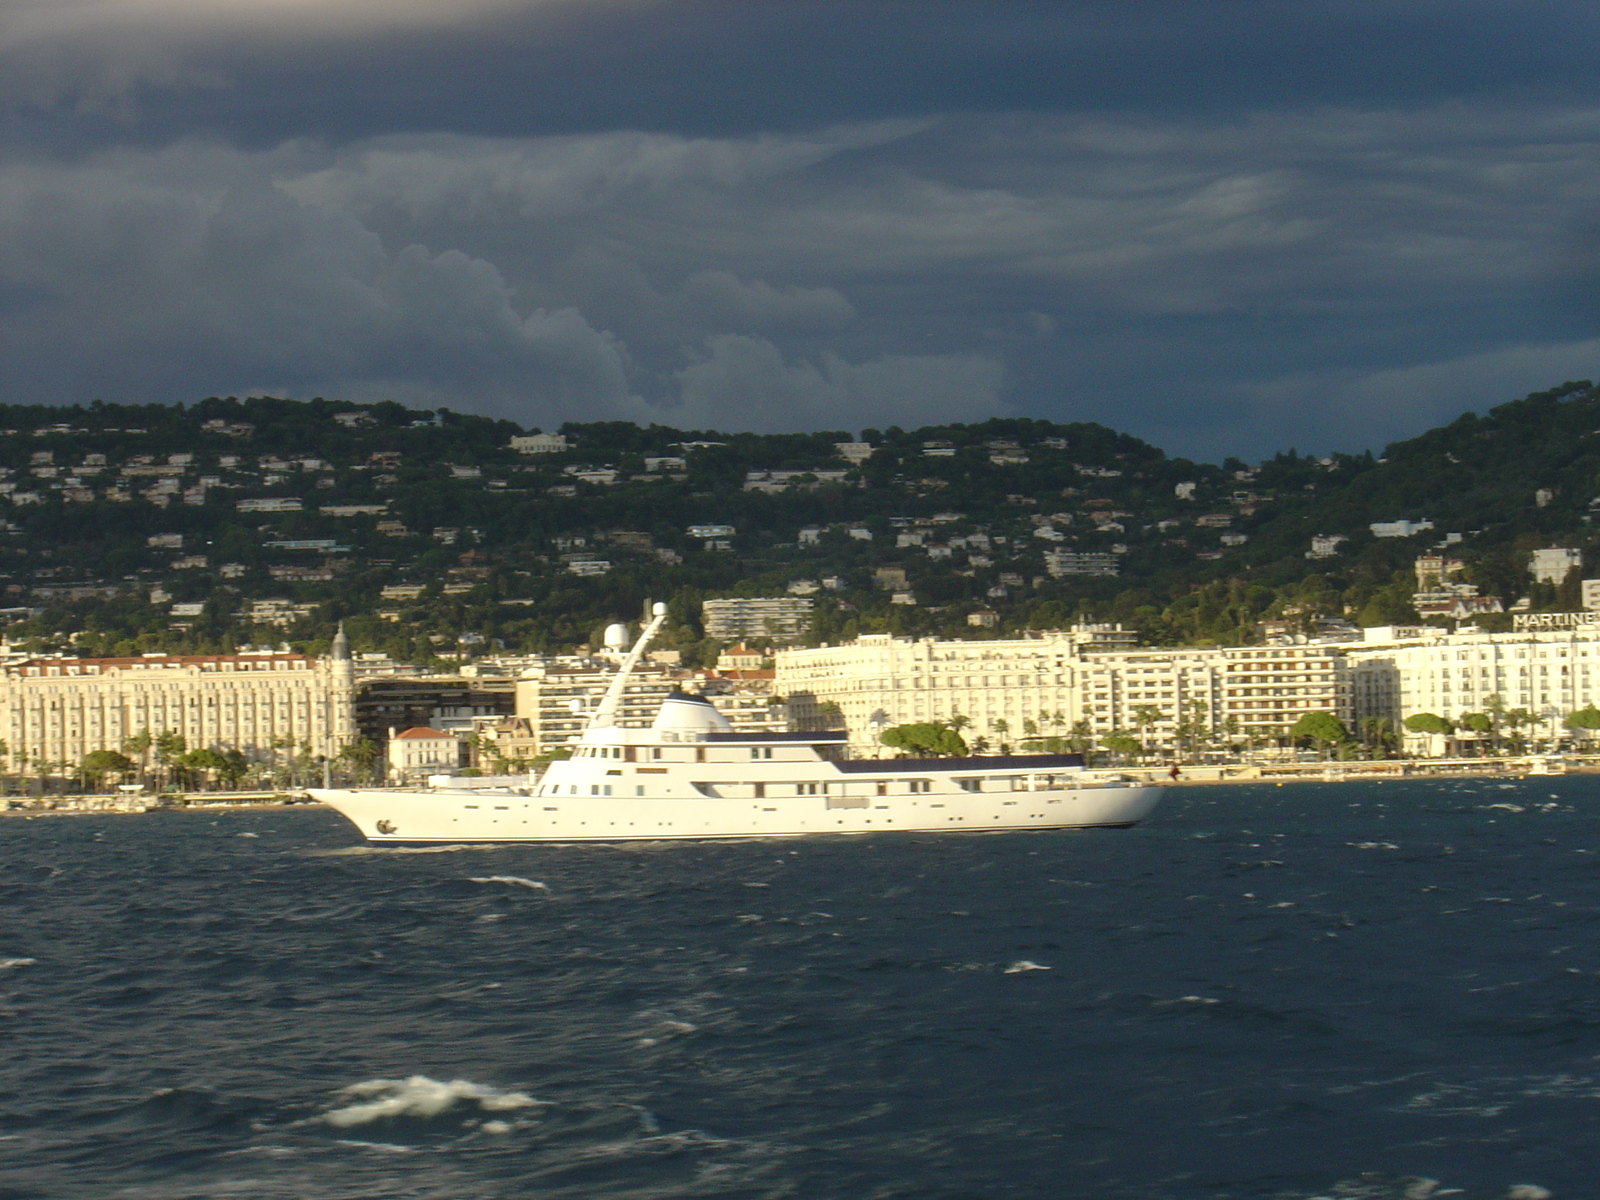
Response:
column 1532, row 622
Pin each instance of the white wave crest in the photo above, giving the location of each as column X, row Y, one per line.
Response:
column 7, row 963
column 418, row 1096
column 1027, row 964
column 386, row 1147
column 512, row 879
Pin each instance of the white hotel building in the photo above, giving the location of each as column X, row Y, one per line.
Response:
column 1549, row 670
column 60, row 709
column 1058, row 679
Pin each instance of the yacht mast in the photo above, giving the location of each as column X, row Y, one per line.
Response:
column 606, row 714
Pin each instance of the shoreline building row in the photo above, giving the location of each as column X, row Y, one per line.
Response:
column 1073, row 681
column 57, row 710
column 1088, row 677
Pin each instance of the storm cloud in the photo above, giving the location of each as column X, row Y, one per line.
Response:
column 1226, row 227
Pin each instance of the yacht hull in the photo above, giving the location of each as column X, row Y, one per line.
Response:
column 394, row 815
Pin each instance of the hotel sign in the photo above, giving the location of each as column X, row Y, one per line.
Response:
column 1532, row 622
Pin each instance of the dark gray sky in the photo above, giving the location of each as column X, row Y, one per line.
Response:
column 1228, row 226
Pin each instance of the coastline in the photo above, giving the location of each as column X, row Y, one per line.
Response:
column 1536, row 766
column 86, row 810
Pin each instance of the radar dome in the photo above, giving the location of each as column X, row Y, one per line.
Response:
column 688, row 714
column 616, row 636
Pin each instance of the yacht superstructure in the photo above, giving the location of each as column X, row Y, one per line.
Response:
column 690, row 776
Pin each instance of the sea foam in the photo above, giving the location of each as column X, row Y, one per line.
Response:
column 7, row 963
column 512, row 879
column 418, row 1096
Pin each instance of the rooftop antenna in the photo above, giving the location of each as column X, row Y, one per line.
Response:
column 605, row 714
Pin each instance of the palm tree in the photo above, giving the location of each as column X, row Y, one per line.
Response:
column 137, row 747
column 1515, row 719
column 1144, row 716
column 1196, row 726
column 170, row 747
column 1495, row 708
column 281, row 742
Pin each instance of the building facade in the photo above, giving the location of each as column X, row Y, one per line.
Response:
column 556, row 701
column 1547, row 673
column 782, row 618
column 1062, row 683
column 414, row 754
column 59, row 709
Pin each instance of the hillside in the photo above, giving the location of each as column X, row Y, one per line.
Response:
column 229, row 522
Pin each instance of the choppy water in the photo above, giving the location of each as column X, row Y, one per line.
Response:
column 1348, row 990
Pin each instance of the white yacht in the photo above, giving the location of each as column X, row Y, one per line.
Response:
column 690, row 776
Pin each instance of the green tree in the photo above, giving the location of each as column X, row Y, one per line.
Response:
column 1321, row 727
column 97, row 764
column 1123, row 746
column 1586, row 719
column 1426, row 722
column 926, row 739
column 194, row 764
column 234, row 767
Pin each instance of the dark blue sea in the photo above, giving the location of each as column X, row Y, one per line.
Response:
column 1318, row 990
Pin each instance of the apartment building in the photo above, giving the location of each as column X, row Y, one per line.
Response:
column 781, row 617
column 557, row 700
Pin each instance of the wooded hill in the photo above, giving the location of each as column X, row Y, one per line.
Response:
column 97, row 497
